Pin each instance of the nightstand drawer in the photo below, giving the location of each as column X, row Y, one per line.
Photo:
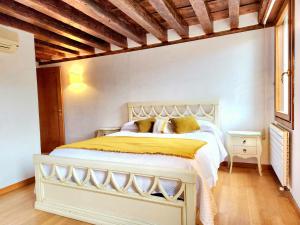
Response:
column 244, row 141
column 245, row 150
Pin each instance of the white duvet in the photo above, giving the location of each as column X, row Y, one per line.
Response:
column 206, row 164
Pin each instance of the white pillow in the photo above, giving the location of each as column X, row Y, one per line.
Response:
column 162, row 126
column 130, row 126
column 208, row 126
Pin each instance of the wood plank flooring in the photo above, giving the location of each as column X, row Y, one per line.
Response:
column 243, row 198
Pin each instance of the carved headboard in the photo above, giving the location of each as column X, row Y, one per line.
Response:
column 201, row 110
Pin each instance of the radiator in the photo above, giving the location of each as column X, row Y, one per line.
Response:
column 279, row 146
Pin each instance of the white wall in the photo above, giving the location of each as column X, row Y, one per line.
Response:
column 295, row 155
column 235, row 69
column 19, row 125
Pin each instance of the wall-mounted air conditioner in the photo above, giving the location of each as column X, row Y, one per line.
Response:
column 9, row 40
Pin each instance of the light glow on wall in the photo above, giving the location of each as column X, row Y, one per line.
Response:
column 76, row 78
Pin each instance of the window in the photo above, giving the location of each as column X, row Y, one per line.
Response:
column 284, row 66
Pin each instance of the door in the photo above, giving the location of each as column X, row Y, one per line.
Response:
column 50, row 108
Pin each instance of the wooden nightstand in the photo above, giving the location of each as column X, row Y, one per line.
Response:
column 245, row 144
column 106, row 131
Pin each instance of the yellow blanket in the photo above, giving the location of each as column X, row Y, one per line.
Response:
column 185, row 148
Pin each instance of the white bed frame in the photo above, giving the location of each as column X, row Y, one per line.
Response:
column 90, row 201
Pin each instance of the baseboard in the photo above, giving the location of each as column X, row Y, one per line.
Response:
column 16, row 186
column 248, row 165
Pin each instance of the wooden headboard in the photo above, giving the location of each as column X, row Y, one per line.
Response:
column 201, row 110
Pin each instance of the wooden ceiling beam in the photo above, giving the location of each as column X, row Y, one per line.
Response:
column 94, row 10
column 189, row 14
column 40, row 52
column 276, row 10
column 61, row 44
column 136, row 12
column 67, row 14
column 34, row 17
column 234, row 13
column 212, row 5
column 44, row 34
column 201, row 10
column 168, row 12
column 48, row 55
column 219, row 15
column 245, row 9
column 264, row 10
column 55, row 47
column 39, row 56
column 49, row 51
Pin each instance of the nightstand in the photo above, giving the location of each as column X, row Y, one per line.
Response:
column 106, row 131
column 245, row 144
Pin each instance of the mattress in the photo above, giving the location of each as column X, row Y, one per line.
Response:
column 206, row 163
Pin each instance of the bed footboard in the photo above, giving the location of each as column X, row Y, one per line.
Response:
column 87, row 199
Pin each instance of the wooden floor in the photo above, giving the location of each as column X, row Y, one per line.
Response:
column 243, row 198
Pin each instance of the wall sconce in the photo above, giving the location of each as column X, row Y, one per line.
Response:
column 76, row 78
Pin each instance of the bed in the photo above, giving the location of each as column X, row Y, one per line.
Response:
column 121, row 188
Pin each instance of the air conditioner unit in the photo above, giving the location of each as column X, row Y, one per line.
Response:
column 9, row 40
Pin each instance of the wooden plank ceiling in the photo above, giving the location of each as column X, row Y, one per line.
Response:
column 72, row 29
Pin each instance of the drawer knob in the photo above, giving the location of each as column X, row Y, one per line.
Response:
column 244, row 150
column 244, row 141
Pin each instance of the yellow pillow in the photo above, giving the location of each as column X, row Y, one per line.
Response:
column 185, row 124
column 145, row 126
